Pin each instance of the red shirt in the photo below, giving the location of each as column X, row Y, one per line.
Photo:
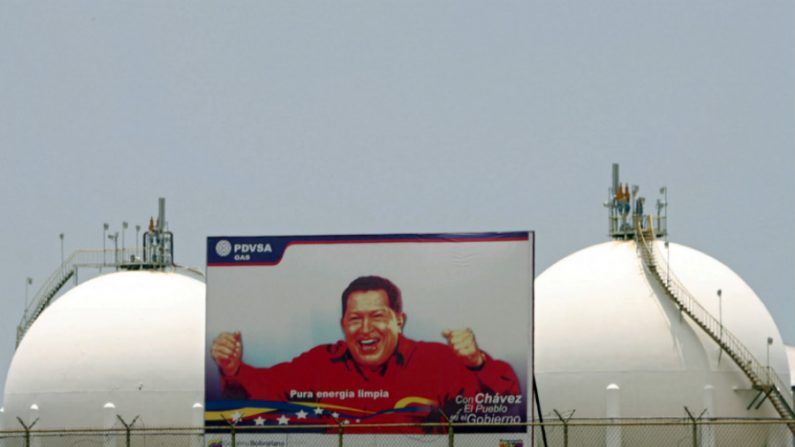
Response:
column 417, row 381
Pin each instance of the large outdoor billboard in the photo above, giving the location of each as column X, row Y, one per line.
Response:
column 368, row 330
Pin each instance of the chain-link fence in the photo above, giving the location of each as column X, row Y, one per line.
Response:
column 558, row 433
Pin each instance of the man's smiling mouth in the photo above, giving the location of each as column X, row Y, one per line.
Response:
column 369, row 345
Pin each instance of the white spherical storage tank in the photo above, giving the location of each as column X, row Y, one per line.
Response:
column 603, row 320
column 127, row 344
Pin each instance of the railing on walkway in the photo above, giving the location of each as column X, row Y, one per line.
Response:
column 98, row 259
column 110, row 259
column 554, row 433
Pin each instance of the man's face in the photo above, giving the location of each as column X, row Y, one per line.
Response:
column 371, row 327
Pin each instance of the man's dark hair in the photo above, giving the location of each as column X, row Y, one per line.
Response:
column 365, row 283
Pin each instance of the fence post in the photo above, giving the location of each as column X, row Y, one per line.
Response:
column 27, row 429
column 694, row 420
column 450, row 434
column 232, row 423
column 565, row 422
column 127, row 429
column 340, row 433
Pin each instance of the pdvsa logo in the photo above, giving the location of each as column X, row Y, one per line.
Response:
column 243, row 252
column 223, row 248
column 253, row 248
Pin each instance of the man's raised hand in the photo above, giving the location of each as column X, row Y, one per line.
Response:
column 463, row 344
column 227, row 352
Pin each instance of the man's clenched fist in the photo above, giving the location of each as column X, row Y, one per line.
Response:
column 227, row 352
column 463, row 343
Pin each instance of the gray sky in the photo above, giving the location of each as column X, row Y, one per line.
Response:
column 300, row 117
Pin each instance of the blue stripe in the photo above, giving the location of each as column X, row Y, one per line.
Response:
column 269, row 250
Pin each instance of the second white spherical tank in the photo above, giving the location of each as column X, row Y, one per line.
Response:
column 602, row 318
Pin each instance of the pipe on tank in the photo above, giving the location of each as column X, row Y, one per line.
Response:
column 707, row 430
column 161, row 214
column 613, row 407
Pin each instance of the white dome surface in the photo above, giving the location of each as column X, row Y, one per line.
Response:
column 791, row 359
column 133, row 339
column 601, row 319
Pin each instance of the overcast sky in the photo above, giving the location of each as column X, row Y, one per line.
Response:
column 295, row 117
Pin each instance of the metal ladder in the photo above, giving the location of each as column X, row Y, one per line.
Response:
column 763, row 378
column 49, row 289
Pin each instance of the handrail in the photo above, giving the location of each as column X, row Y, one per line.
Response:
column 80, row 258
column 761, row 376
column 122, row 258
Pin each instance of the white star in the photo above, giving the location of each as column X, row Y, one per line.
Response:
column 346, row 421
column 236, row 417
column 318, row 411
column 335, row 415
column 259, row 421
column 301, row 414
column 283, row 420
column 358, row 420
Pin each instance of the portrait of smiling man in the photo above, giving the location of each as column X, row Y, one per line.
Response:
column 375, row 372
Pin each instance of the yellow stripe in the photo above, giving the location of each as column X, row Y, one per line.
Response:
column 227, row 414
column 333, row 407
column 406, row 401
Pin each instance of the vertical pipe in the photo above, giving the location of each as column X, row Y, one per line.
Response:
column 613, row 407
column 708, row 430
column 108, row 421
column 161, row 213
column 613, row 214
column 161, row 225
column 197, row 418
column 34, row 441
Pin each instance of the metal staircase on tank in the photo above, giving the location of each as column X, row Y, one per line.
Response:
column 96, row 259
column 43, row 298
column 763, row 378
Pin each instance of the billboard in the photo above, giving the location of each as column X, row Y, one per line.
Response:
column 368, row 330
